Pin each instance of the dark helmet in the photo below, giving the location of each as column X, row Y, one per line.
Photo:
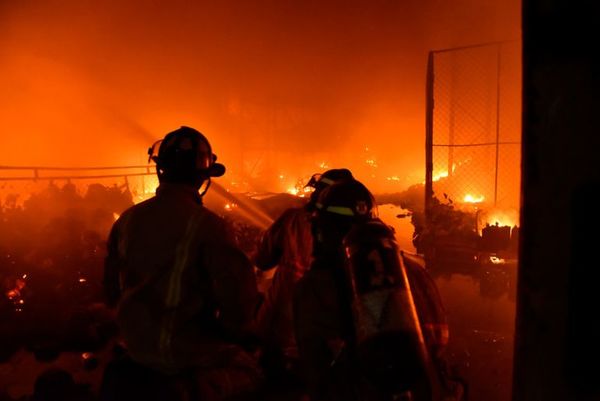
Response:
column 185, row 156
column 339, row 207
column 349, row 198
column 321, row 181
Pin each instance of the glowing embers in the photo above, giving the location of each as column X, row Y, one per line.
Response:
column 14, row 294
column 230, row 206
column 300, row 192
column 473, row 199
column 300, row 189
column 371, row 162
column 497, row 261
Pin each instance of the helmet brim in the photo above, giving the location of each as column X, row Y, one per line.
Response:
column 216, row 170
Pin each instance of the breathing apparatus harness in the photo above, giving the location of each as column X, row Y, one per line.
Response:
column 387, row 339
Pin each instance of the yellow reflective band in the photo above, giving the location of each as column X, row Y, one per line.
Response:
column 344, row 211
column 174, row 291
column 181, row 261
column 327, row 181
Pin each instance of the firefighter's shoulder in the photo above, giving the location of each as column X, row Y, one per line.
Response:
column 215, row 227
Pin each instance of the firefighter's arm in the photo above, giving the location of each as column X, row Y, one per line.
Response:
column 111, row 284
column 270, row 247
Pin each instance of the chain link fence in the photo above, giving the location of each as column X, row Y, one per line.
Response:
column 140, row 181
column 474, row 126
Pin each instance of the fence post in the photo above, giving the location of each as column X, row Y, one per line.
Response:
column 429, row 136
column 498, row 60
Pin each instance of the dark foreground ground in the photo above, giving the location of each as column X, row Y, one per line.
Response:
column 481, row 342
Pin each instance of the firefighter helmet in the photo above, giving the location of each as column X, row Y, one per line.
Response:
column 185, row 156
column 337, row 209
column 348, row 198
column 321, row 181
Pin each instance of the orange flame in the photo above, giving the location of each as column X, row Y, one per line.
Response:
column 500, row 217
column 440, row 175
column 473, row 199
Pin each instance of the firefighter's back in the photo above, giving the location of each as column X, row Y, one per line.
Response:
column 166, row 301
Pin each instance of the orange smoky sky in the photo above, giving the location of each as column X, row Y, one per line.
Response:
column 277, row 86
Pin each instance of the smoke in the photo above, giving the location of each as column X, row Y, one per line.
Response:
column 279, row 87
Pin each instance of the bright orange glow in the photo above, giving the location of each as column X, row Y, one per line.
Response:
column 299, row 189
column 473, row 199
column 230, row 206
column 440, row 175
column 500, row 217
column 502, row 221
column 84, row 98
column 147, row 189
column 281, row 89
column 15, row 292
column 496, row 260
column 371, row 162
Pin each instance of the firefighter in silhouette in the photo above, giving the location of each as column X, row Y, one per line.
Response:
column 185, row 295
column 287, row 245
column 357, row 328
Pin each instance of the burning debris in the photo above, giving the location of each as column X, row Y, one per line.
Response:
column 51, row 269
column 68, row 270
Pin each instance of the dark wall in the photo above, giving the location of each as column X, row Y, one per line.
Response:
column 557, row 351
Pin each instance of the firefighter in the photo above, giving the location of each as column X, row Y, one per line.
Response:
column 358, row 332
column 185, row 295
column 287, row 245
column 322, row 315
